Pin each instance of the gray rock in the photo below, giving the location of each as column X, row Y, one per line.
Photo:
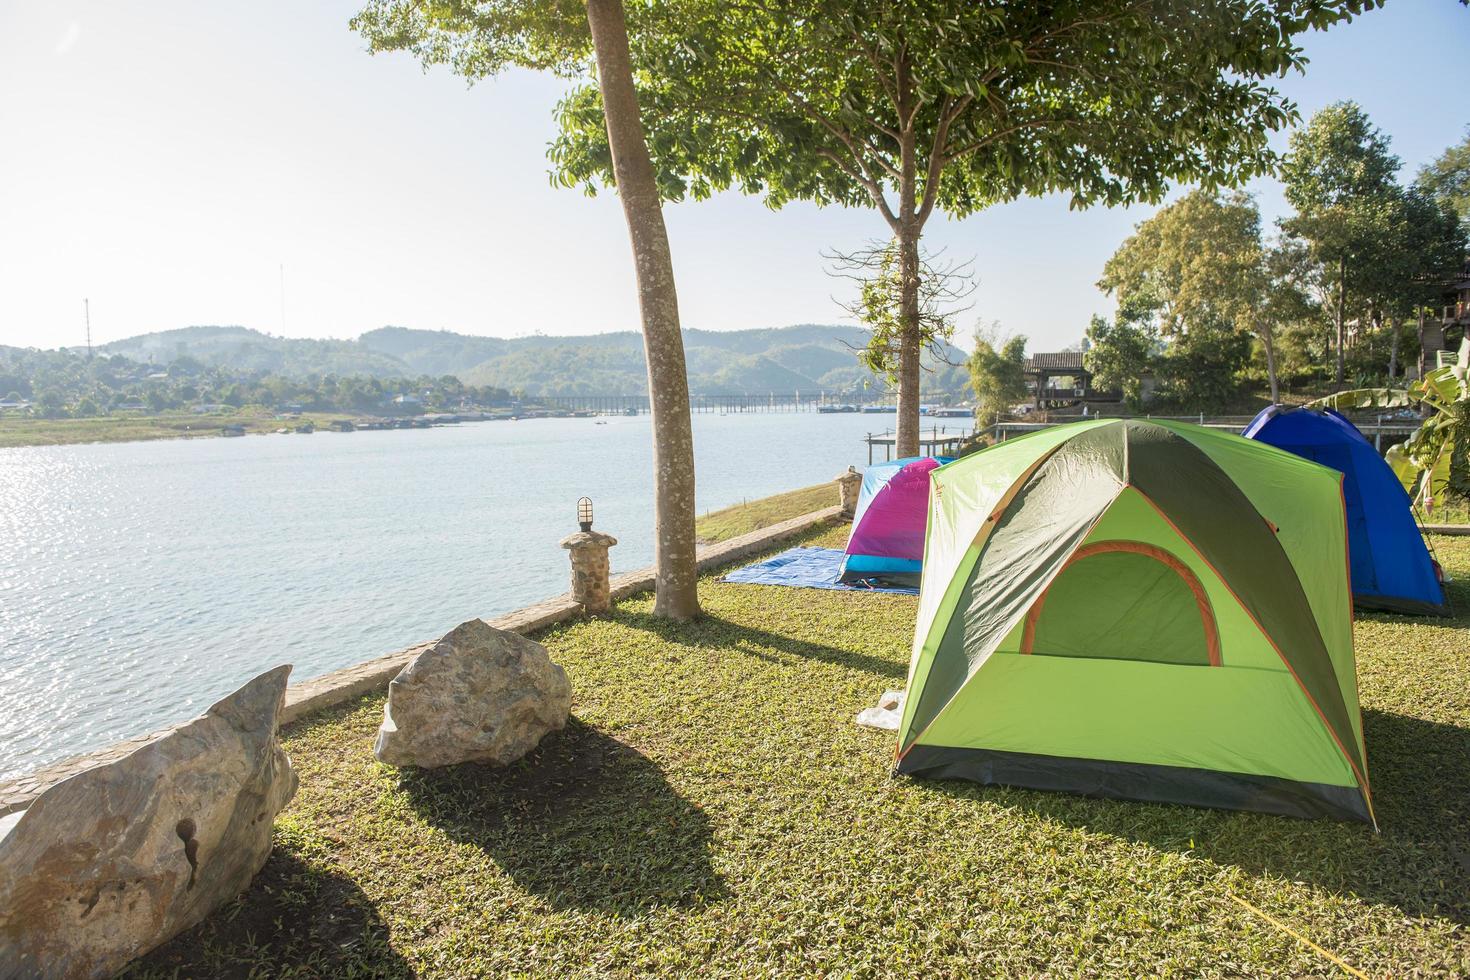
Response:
column 111, row 862
column 478, row 695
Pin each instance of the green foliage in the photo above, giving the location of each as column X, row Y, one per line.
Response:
column 1195, row 265
column 997, row 375
column 1371, row 245
column 1447, row 180
column 1359, row 247
column 1197, row 275
column 878, row 307
column 809, row 357
column 1338, row 162
column 907, row 108
column 1434, row 462
column 1340, row 177
column 1199, row 371
column 51, row 402
column 1119, row 354
column 950, row 105
column 834, row 102
column 188, row 350
column 480, row 38
column 68, row 383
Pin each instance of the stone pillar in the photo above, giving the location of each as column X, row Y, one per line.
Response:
column 590, row 575
column 848, row 484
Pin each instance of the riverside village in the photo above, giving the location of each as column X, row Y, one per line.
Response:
column 803, row 488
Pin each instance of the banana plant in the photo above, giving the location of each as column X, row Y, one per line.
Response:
column 1435, row 460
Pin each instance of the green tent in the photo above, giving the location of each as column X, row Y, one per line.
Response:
column 1140, row 610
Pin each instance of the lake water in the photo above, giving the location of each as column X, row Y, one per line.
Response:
column 139, row 582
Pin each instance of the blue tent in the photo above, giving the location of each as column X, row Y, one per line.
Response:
column 1391, row 568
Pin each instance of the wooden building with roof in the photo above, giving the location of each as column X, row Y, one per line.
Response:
column 1058, row 377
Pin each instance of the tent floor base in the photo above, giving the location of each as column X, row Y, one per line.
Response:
column 1399, row 604
column 1137, row 781
column 892, row 580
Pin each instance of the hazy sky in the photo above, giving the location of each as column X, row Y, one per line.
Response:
column 167, row 159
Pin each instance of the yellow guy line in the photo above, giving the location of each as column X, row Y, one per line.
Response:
column 1302, row 939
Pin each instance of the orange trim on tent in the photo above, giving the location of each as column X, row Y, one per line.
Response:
column 1172, row 562
column 1362, row 779
column 919, row 736
column 1347, row 563
column 981, row 538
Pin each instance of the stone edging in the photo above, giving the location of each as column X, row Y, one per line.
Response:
column 373, row 675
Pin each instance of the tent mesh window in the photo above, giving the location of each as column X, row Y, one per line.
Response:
column 1124, row 600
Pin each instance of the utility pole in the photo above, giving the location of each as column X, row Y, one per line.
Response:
column 87, row 314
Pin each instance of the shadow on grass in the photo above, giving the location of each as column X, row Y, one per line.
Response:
column 296, row 919
column 584, row 821
column 710, row 630
column 1419, row 862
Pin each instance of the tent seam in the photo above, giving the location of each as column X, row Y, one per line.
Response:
column 1362, row 779
column 982, row 536
column 1061, row 565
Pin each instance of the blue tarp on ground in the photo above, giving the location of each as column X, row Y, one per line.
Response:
column 805, row 568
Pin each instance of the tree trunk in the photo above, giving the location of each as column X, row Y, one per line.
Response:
column 675, row 584
column 1393, row 349
column 908, row 231
column 1268, row 341
column 1338, row 312
column 1423, row 367
column 910, row 343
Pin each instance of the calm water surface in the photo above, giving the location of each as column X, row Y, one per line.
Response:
column 139, row 582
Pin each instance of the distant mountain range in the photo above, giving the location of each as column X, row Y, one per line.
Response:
column 806, row 357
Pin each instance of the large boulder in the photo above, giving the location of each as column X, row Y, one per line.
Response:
column 478, row 695
column 113, row 861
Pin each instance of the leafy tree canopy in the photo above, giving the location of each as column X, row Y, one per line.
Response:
column 1197, row 264
column 477, row 39
column 837, row 102
column 1447, row 180
column 997, row 374
column 1119, row 354
column 1371, row 244
column 1337, row 160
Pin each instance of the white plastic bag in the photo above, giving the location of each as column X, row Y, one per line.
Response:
column 886, row 714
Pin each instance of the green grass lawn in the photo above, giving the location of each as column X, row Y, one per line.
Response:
column 719, row 525
column 1452, row 512
column 712, row 809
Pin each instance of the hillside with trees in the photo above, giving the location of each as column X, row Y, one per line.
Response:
column 811, row 358
column 70, row 384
